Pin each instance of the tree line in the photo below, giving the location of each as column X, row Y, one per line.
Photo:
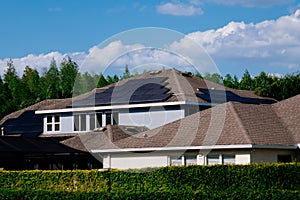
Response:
column 17, row 92
column 264, row 84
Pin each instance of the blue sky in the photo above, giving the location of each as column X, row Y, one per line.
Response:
column 258, row 35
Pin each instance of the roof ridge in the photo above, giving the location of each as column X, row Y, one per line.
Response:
column 240, row 123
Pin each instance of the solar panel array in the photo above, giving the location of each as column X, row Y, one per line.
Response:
column 27, row 124
column 133, row 91
column 221, row 96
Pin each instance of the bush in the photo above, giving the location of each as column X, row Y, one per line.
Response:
column 257, row 181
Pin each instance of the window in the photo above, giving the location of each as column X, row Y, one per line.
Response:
column 213, row 159
column 112, row 118
column 53, row 123
column 95, row 121
column 176, row 161
column 221, row 159
column 284, row 158
column 80, row 122
column 190, row 160
column 228, row 159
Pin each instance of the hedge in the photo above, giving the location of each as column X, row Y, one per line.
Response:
column 257, row 181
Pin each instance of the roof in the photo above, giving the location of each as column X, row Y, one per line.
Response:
column 231, row 123
column 289, row 113
column 174, row 86
column 17, row 144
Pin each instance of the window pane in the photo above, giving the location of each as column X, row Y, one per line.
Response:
column 108, row 118
column 83, row 122
column 115, row 118
column 92, row 122
column 213, row 159
column 99, row 120
column 56, row 118
column 49, row 127
column 228, row 159
column 76, row 122
column 284, row 158
column 49, row 119
column 191, row 160
column 176, row 161
column 56, row 127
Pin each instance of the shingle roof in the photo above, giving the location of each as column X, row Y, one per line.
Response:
column 289, row 112
column 225, row 124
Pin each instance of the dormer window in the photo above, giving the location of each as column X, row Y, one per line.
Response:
column 53, row 123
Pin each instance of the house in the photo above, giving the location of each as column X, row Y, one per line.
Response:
column 229, row 133
column 140, row 114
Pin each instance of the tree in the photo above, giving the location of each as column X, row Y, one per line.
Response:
column 32, row 79
column 246, row 82
column 52, row 79
column 68, row 74
column 126, row 74
column 228, row 81
column 102, row 81
column 215, row 77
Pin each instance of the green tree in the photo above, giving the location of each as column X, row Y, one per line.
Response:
column 126, row 74
column 246, row 83
column 68, row 74
column 228, row 81
column 52, row 79
column 102, row 81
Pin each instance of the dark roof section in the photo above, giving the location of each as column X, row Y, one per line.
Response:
column 17, row 144
column 26, row 122
column 158, row 86
column 132, row 91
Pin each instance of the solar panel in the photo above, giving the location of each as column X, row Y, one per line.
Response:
column 27, row 124
column 133, row 91
column 220, row 96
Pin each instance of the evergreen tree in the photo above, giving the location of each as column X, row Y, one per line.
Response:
column 102, row 81
column 53, row 90
column 68, row 74
column 246, row 82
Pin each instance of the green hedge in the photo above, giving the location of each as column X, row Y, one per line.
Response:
column 261, row 181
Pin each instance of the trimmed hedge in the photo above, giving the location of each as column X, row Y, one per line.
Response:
column 259, row 181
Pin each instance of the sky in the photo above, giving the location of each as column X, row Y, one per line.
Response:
column 257, row 35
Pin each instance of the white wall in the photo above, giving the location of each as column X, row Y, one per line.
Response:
column 268, row 155
column 134, row 160
column 153, row 118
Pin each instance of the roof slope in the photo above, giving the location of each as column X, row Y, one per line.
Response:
column 289, row 112
column 225, row 124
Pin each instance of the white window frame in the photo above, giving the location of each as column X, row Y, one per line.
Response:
column 53, row 123
column 79, row 128
column 97, row 125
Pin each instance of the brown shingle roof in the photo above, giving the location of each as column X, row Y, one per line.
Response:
column 225, row 124
column 289, row 112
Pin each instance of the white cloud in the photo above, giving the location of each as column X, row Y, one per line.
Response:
column 117, row 54
column 268, row 43
column 40, row 61
column 252, row 3
column 272, row 43
column 180, row 9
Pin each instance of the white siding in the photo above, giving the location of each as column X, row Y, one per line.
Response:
column 132, row 161
column 153, row 118
column 266, row 155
